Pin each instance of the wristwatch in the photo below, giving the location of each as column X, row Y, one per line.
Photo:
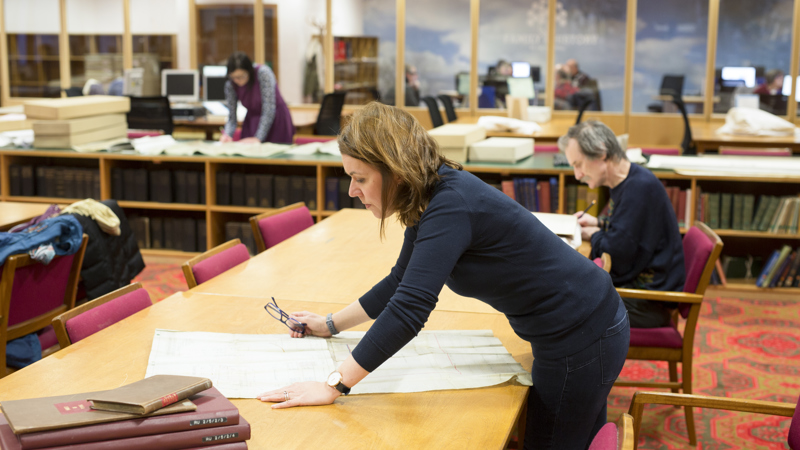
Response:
column 329, row 322
column 335, row 381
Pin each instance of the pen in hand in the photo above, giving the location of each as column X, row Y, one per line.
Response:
column 587, row 208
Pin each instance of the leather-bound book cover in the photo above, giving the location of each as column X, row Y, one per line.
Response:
column 140, row 182
column 156, row 232
column 201, row 235
column 150, row 394
column 80, row 183
column 223, row 188
column 161, row 186
column 281, row 191
column 205, row 438
column 15, row 179
column 41, row 181
column 251, row 189
column 213, row 410
column 189, row 235
column 70, row 178
column 310, row 193
column 202, row 181
column 129, row 184
column 237, row 189
column 169, row 234
column 192, row 187
column 179, row 177
column 246, row 235
column 96, row 184
column 57, row 175
column 117, row 190
column 34, row 415
column 297, row 185
column 344, row 193
column 28, row 185
column 265, row 183
column 332, row 193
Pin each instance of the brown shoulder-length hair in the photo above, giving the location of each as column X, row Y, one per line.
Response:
column 394, row 143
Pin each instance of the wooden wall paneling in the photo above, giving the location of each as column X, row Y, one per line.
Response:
column 327, row 47
column 400, row 55
column 474, row 19
column 5, row 90
column 616, row 121
column 550, row 84
column 63, row 49
column 630, row 51
column 791, row 110
column 258, row 32
column 127, row 38
column 711, row 58
column 654, row 129
column 192, row 35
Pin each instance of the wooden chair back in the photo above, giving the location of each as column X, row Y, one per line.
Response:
column 228, row 255
column 32, row 294
column 126, row 301
column 275, row 226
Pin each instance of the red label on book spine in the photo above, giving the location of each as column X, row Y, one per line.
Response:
column 169, row 399
column 80, row 406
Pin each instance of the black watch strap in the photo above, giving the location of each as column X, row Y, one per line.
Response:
column 342, row 388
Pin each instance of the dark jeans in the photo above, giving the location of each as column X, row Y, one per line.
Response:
column 567, row 402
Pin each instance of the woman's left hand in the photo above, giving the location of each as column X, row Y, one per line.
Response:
column 307, row 393
column 250, row 140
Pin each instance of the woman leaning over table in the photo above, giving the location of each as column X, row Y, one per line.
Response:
column 480, row 243
column 268, row 118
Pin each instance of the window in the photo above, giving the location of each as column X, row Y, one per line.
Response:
column 380, row 22
column 590, row 54
column 511, row 31
column 33, row 47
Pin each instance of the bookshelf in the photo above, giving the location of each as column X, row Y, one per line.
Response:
column 355, row 67
column 320, row 167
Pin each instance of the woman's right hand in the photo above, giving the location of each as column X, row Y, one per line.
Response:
column 586, row 220
column 225, row 138
column 315, row 324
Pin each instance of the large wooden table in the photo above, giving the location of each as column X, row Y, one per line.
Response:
column 706, row 138
column 550, row 133
column 302, row 120
column 15, row 213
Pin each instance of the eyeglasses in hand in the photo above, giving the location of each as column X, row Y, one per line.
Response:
column 277, row 313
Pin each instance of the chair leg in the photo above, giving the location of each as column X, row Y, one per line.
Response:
column 687, row 389
column 673, row 375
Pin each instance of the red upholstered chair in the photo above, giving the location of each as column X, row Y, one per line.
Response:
column 309, row 138
column 701, row 248
column 219, row 259
column 32, row 294
column 604, row 262
column 102, row 312
column 615, row 435
column 273, row 227
column 724, row 403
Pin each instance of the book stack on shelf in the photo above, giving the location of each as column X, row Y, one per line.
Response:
column 535, row 195
column 681, row 202
column 455, row 139
column 169, row 233
column 781, row 269
column 54, row 181
column 771, row 214
column 580, row 196
column 337, row 194
column 244, row 232
column 163, row 411
column 164, row 186
column 265, row 190
column 72, row 121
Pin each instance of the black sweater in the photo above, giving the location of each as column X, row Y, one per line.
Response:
column 642, row 235
column 482, row 244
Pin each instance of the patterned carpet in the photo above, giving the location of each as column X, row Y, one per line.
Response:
column 745, row 348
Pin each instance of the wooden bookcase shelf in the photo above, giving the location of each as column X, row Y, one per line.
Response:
column 322, row 166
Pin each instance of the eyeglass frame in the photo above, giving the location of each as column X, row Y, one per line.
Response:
column 284, row 318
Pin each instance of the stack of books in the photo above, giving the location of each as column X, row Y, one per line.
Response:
column 535, row 195
column 163, row 412
column 455, row 139
column 186, row 234
column 781, row 269
column 73, row 121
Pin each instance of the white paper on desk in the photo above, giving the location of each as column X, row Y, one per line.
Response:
column 566, row 226
column 153, row 145
column 240, row 365
column 328, row 147
column 724, row 165
column 245, row 365
column 254, row 150
column 19, row 138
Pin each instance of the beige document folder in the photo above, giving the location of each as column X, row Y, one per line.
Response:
column 67, row 141
column 76, row 126
column 74, row 107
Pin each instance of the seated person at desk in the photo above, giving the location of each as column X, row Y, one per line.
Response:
column 465, row 234
column 773, row 83
column 268, row 118
column 412, row 88
column 640, row 232
column 579, row 79
column 564, row 91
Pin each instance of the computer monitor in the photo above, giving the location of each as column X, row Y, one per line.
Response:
column 180, row 85
column 520, row 69
column 733, row 75
column 521, row 87
column 787, row 87
column 214, row 79
column 462, row 83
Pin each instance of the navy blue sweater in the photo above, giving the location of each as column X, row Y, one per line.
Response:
column 482, row 244
column 642, row 235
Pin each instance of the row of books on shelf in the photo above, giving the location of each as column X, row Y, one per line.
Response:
column 533, row 194
column 781, row 269
column 169, row 233
column 265, row 190
column 200, row 416
column 242, row 231
column 164, row 186
column 771, row 214
column 54, row 181
column 580, row 196
column 337, row 194
column 680, row 202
